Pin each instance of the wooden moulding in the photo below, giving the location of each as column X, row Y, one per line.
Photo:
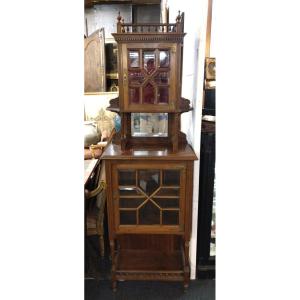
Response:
column 149, row 153
column 148, row 37
column 184, row 106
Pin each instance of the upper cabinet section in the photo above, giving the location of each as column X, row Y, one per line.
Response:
column 149, row 66
column 147, row 77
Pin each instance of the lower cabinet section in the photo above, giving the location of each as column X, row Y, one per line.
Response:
column 149, row 204
column 150, row 257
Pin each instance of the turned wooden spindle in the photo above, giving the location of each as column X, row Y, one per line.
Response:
column 119, row 23
column 178, row 22
column 178, row 18
column 123, row 28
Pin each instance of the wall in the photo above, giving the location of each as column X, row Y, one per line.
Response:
column 94, row 102
column 192, row 88
column 106, row 16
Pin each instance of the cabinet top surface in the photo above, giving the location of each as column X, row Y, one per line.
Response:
column 114, row 151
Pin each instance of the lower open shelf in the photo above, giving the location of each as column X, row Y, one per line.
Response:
column 149, row 265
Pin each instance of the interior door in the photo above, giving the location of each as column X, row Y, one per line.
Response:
column 94, row 62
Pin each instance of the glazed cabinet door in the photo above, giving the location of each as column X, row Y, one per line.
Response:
column 148, row 76
column 149, row 197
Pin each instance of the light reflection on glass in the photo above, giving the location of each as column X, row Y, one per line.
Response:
column 149, row 124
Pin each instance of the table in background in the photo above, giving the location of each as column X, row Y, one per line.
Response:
column 89, row 167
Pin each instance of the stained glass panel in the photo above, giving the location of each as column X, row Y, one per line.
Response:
column 134, row 95
column 148, row 94
column 136, row 77
column 161, row 78
column 163, row 94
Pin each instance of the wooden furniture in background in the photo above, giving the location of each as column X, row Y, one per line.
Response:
column 94, row 207
column 89, row 167
column 94, row 62
column 95, row 197
column 206, row 229
column 149, row 178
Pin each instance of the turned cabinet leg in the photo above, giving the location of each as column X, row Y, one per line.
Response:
column 114, row 285
column 186, row 281
column 187, row 265
column 113, row 267
column 101, row 245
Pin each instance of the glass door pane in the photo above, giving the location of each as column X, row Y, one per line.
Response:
column 164, row 59
column 148, row 94
column 149, row 197
column 134, row 61
column 149, row 61
column 149, row 73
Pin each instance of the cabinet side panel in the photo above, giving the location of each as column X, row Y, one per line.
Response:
column 110, row 208
column 189, row 200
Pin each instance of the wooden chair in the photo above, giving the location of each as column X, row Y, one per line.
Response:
column 95, row 208
column 95, row 201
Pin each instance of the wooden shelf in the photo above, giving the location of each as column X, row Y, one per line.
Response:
column 149, row 265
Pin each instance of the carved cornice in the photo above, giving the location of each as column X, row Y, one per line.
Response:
column 149, row 37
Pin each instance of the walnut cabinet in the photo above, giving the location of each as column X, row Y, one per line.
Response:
column 149, row 211
column 149, row 164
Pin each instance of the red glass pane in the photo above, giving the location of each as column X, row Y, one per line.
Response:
column 149, row 61
column 134, row 95
column 164, row 59
column 163, row 94
column 162, row 78
column 136, row 77
column 148, row 94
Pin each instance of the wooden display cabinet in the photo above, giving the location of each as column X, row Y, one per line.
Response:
column 149, row 176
